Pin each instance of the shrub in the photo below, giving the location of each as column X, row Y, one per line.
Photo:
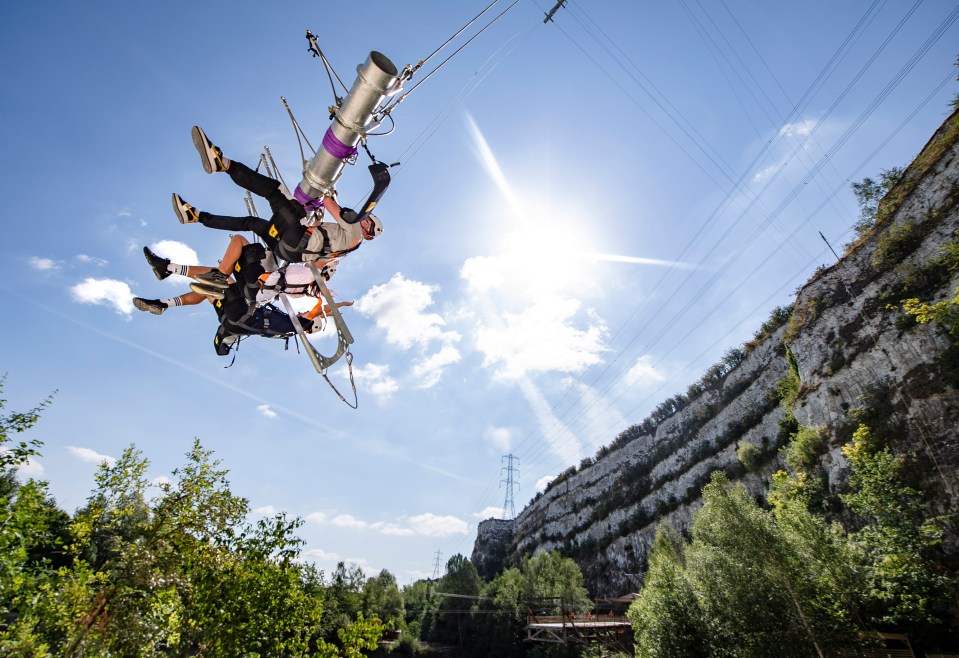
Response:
column 895, row 244
column 749, row 455
column 804, row 448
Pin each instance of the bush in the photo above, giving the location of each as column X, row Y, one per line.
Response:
column 804, row 448
column 895, row 244
column 749, row 455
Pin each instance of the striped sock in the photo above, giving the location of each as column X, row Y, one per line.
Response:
column 176, row 301
column 178, row 269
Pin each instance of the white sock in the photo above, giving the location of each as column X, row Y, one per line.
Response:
column 177, row 269
column 176, row 301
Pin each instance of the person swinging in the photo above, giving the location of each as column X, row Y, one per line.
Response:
column 285, row 232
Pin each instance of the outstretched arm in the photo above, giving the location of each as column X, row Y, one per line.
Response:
column 322, row 308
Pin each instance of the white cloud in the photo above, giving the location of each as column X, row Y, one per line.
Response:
column 415, row 574
column 798, row 128
column 176, row 252
column 597, row 416
column 640, row 260
column 500, row 437
column 490, row 513
column 266, row 510
column 84, row 258
column 376, row 379
column 643, row 372
column 763, row 174
column 161, row 480
column 483, row 273
column 362, row 563
column 560, row 439
column 432, row 525
column 541, row 338
column 266, row 411
column 30, row 468
column 398, row 308
column 91, row 456
column 107, row 292
column 316, row 517
column 43, row 264
column 429, row 525
column 430, row 370
column 543, row 481
column 348, row 521
column 392, row 529
column 320, row 554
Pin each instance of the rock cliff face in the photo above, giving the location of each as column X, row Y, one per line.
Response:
column 850, row 350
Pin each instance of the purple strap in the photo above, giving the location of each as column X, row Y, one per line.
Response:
column 309, row 202
column 336, row 148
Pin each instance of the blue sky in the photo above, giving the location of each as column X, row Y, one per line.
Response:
column 588, row 214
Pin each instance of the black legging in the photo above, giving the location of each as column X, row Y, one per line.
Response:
column 285, row 211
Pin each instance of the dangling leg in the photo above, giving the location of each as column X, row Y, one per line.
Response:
column 284, row 210
column 162, row 267
column 157, row 306
column 266, row 187
column 233, row 224
column 211, row 157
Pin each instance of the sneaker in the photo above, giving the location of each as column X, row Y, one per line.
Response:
column 186, row 213
column 206, row 291
column 154, row 306
column 213, row 279
column 210, row 156
column 158, row 264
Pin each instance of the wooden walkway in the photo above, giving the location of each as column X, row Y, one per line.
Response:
column 613, row 632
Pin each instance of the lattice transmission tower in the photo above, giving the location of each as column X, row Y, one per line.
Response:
column 509, row 506
column 436, row 565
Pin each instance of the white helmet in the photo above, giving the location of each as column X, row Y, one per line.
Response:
column 329, row 270
column 377, row 225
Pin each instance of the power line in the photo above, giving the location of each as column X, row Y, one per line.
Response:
column 815, row 170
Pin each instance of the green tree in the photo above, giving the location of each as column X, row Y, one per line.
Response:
column 421, row 607
column 552, row 577
column 457, row 591
column 546, row 583
column 754, row 581
column 33, row 534
column 904, row 585
column 667, row 616
column 382, row 599
column 355, row 637
column 183, row 572
column 868, row 195
column 344, row 598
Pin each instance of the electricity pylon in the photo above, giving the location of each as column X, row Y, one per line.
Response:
column 509, row 506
